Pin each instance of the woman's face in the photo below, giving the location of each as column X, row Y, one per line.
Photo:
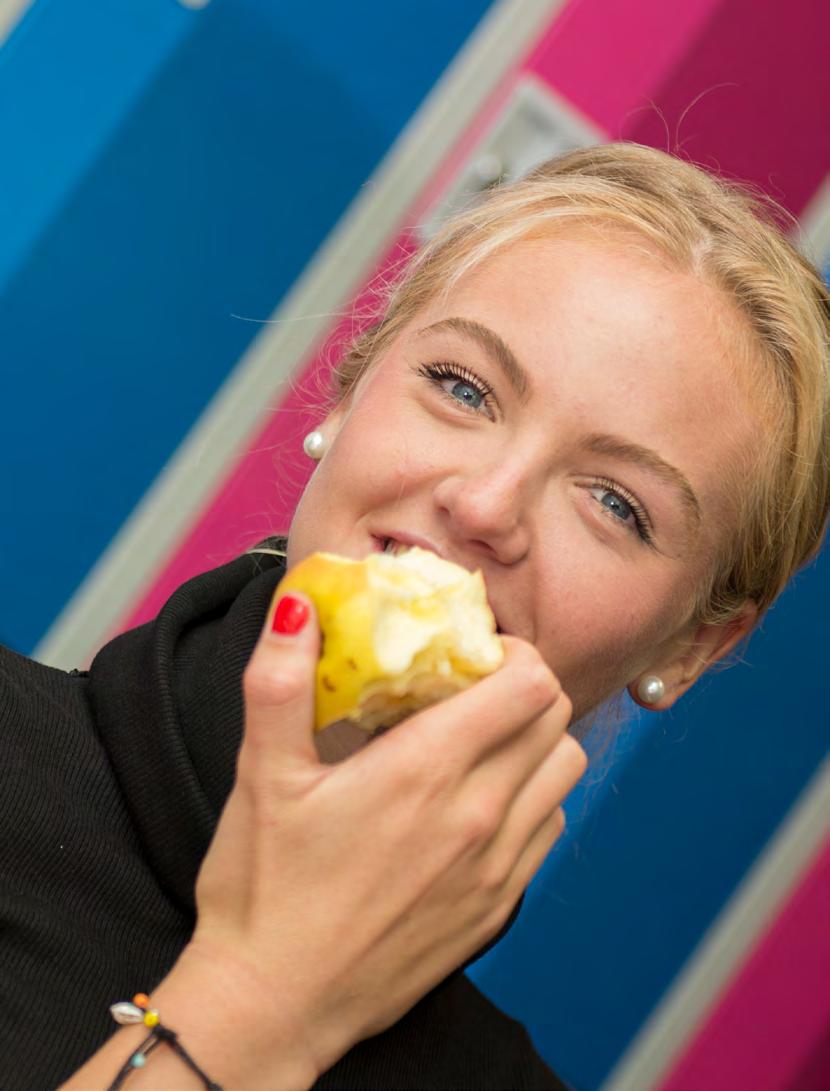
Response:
column 570, row 421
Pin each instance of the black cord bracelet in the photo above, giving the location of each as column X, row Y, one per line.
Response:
column 139, row 1011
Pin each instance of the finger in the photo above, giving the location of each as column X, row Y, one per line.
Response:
column 279, row 686
column 458, row 733
column 484, row 798
column 536, row 852
column 502, row 886
column 543, row 793
column 503, row 773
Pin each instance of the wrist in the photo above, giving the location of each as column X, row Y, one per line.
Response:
column 233, row 1026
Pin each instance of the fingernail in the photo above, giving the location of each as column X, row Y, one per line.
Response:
column 290, row 615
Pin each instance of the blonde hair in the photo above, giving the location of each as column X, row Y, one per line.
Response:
column 722, row 234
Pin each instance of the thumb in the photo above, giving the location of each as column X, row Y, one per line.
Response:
column 279, row 686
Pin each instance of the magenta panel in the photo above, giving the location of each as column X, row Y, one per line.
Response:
column 255, row 500
column 771, row 1030
column 755, row 88
column 261, row 490
column 610, row 59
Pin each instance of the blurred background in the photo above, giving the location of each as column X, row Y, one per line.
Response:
column 194, row 199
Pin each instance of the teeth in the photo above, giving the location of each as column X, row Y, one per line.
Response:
column 393, row 547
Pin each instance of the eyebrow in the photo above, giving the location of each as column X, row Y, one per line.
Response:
column 494, row 347
column 616, row 447
column 601, row 443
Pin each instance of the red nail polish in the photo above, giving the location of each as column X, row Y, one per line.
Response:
column 290, row 615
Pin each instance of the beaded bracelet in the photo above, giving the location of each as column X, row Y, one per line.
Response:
column 139, row 1011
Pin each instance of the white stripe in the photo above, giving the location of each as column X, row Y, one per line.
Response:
column 723, row 949
column 814, row 237
column 341, row 266
column 11, row 12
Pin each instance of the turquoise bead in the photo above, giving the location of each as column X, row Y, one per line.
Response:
column 138, row 1060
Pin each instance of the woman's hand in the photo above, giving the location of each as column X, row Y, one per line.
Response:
column 333, row 897
column 343, row 893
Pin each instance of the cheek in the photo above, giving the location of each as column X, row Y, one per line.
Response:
column 384, row 448
column 603, row 629
column 369, row 463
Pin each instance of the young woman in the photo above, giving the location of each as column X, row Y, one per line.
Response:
column 607, row 388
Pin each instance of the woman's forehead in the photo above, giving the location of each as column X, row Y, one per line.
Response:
column 623, row 273
column 613, row 293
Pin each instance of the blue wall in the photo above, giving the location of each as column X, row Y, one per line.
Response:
column 164, row 170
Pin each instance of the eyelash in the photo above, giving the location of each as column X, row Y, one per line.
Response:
column 643, row 525
column 441, row 370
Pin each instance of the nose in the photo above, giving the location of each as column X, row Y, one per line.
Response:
column 486, row 508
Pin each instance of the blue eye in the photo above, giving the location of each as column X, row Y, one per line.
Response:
column 460, row 384
column 465, row 392
column 619, row 503
column 616, row 504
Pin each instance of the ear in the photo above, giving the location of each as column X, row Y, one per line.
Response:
column 693, row 654
column 334, row 419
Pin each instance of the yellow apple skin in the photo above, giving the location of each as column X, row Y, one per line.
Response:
column 338, row 588
column 397, row 633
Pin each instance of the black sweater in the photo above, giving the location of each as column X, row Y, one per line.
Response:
column 112, row 784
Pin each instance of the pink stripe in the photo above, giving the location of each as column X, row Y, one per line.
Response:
column 607, row 59
column 612, row 59
column 261, row 490
column 770, row 1030
column 755, row 91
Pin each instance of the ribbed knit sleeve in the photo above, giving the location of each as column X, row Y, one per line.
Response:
column 112, row 784
column 167, row 703
column 83, row 919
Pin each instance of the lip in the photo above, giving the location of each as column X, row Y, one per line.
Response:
column 424, row 543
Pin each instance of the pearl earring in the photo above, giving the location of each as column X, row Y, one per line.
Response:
column 314, row 445
column 651, row 689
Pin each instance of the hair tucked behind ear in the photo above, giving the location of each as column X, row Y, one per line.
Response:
column 725, row 236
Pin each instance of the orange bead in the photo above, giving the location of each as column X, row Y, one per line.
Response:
column 141, row 1000
column 151, row 1018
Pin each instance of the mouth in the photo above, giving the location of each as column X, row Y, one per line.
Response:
column 389, row 545
column 382, row 543
column 400, row 543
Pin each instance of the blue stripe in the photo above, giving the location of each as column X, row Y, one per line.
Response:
column 68, row 74
column 171, row 169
